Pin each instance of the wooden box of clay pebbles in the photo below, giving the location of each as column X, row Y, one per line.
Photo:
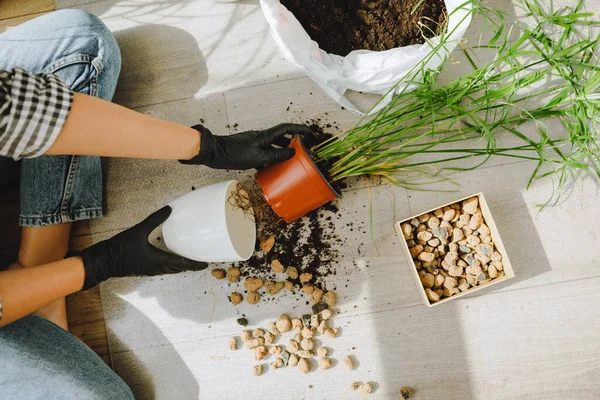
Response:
column 455, row 250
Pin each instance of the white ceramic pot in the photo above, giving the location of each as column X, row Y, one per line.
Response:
column 206, row 225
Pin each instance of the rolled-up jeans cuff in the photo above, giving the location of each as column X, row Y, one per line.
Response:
column 52, row 219
column 79, row 48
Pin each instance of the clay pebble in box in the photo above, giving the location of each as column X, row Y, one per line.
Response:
column 454, row 250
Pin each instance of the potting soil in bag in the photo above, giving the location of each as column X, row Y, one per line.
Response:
column 361, row 70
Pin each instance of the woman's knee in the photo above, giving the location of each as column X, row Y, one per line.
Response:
column 91, row 37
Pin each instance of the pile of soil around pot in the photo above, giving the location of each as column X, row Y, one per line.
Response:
column 341, row 26
column 310, row 244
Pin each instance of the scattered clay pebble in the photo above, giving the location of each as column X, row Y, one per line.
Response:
column 260, row 352
column 292, row 272
column 304, row 365
column 331, row 332
column 308, row 288
column 469, row 206
column 307, row 344
column 275, row 350
column 326, row 313
column 292, row 346
column 278, row 363
column 330, row 298
column 258, row 333
column 298, row 337
column 258, row 370
column 317, row 308
column 269, row 338
column 322, row 352
column 322, row 327
column 242, row 321
column 277, row 266
column 293, row 361
column 283, row 323
column 304, row 354
column 406, row 392
column 245, row 335
column 252, row 298
column 297, row 324
column 273, row 287
column 218, row 273
column 233, row 344
column 273, row 328
column 235, row 298
column 252, row 284
column 365, row 389
column 316, row 295
column 325, row 363
column 288, row 285
column 314, row 320
column 305, row 277
column 355, row 385
column 348, row 363
column 266, row 243
column 307, row 333
column 233, row 274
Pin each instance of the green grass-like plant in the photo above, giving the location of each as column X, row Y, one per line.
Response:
column 547, row 74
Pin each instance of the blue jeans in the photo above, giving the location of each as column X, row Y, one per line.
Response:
column 77, row 47
column 40, row 360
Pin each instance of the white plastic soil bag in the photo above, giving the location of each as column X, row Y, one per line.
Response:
column 361, row 70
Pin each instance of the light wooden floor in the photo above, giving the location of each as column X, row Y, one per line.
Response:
column 84, row 309
column 534, row 337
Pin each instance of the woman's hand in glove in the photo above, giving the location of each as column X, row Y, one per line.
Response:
column 251, row 149
column 130, row 254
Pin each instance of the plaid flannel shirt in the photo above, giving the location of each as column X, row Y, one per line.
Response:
column 33, row 110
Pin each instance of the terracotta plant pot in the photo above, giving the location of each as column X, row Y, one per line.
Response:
column 295, row 187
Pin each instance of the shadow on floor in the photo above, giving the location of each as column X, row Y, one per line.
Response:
column 145, row 50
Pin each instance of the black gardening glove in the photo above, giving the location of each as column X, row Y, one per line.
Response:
column 251, row 149
column 130, row 254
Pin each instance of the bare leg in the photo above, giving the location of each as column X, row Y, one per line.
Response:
column 42, row 245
